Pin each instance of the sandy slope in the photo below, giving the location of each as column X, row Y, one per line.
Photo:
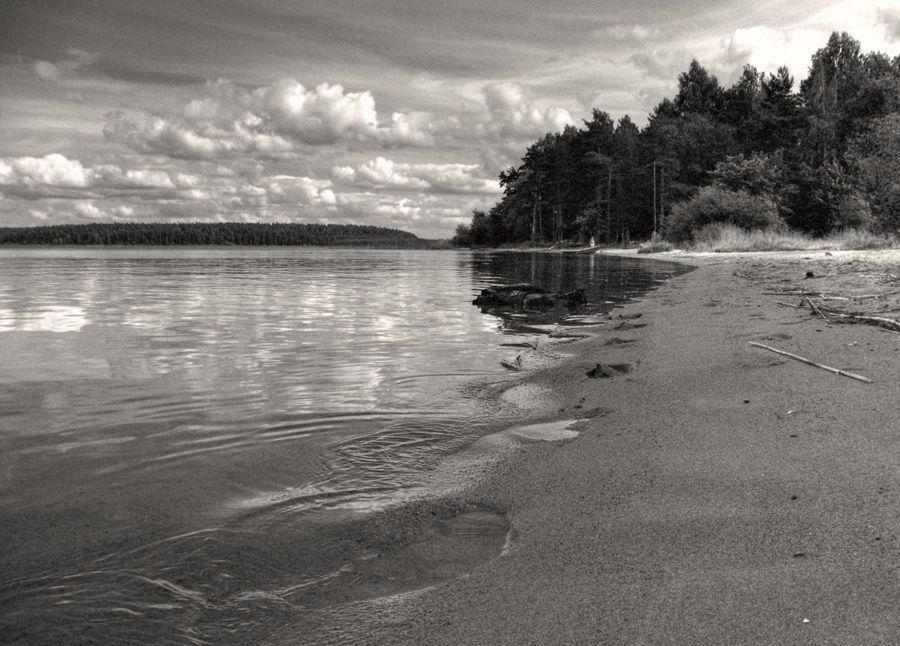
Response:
column 718, row 494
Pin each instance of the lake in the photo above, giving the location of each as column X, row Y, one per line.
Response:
column 188, row 435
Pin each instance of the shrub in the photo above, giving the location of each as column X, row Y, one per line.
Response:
column 655, row 245
column 859, row 239
column 727, row 237
column 716, row 205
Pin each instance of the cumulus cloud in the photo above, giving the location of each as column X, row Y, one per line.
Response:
column 56, row 175
column 875, row 24
column 298, row 191
column 270, row 121
column 194, row 141
column 88, row 210
column 767, row 49
column 513, row 112
column 114, row 177
column 383, row 173
column 52, row 170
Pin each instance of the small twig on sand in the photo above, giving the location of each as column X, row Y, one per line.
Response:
column 813, row 307
column 877, row 320
column 813, row 363
column 889, row 324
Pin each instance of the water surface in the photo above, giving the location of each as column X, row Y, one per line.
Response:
column 188, row 435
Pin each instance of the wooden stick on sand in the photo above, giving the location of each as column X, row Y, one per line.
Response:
column 813, row 363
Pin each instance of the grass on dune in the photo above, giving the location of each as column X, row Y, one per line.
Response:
column 728, row 238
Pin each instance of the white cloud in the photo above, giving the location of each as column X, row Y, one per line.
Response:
column 298, row 191
column 115, row 177
column 272, row 121
column 88, row 210
column 52, row 170
column 57, row 176
column 182, row 140
column 513, row 112
column 876, row 25
column 343, row 173
column 323, row 115
column 767, row 49
column 383, row 173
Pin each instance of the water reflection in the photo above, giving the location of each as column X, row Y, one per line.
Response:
column 51, row 318
column 607, row 280
column 177, row 426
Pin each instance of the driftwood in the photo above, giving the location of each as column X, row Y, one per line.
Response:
column 813, row 363
column 833, row 315
column 881, row 321
column 812, row 306
column 527, row 297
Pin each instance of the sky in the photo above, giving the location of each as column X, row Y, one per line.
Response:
column 395, row 113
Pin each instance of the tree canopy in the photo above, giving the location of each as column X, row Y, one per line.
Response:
column 222, row 233
column 823, row 155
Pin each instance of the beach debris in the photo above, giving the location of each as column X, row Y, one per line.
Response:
column 836, row 316
column 512, row 365
column 605, row 370
column 628, row 325
column 601, row 372
column 525, row 297
column 812, row 363
column 618, row 341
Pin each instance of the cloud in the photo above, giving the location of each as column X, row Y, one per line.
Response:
column 513, row 112
column 269, row 122
column 662, row 64
column 47, row 71
column 876, row 25
column 381, row 173
column 57, row 176
column 54, row 72
column 114, row 177
column 889, row 19
column 52, row 170
column 767, row 49
column 88, row 210
column 187, row 141
column 627, row 33
column 298, row 191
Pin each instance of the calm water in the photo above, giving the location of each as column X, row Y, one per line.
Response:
column 185, row 434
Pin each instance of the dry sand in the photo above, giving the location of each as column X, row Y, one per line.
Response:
column 717, row 493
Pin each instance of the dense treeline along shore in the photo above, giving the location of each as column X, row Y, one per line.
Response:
column 758, row 155
column 225, row 233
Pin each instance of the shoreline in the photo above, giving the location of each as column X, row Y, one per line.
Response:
column 718, row 494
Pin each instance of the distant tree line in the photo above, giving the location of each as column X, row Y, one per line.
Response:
column 757, row 154
column 225, row 233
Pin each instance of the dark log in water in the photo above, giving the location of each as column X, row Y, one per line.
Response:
column 527, row 297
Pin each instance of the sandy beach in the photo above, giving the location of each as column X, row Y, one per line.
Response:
column 716, row 492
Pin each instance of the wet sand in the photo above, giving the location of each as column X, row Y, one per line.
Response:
column 716, row 492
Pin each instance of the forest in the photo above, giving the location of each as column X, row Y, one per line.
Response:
column 224, row 233
column 817, row 158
